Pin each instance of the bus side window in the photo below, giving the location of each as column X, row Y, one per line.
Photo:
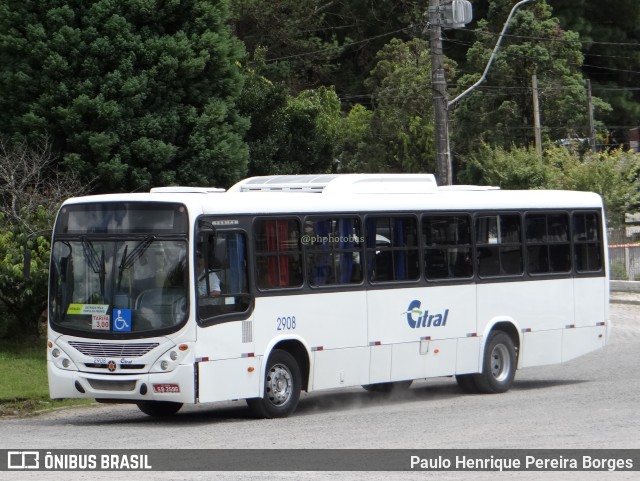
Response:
column 587, row 242
column 392, row 249
column 548, row 247
column 333, row 250
column 278, row 253
column 499, row 244
column 222, row 286
column 447, row 241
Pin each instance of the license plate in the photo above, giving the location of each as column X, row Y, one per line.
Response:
column 166, row 388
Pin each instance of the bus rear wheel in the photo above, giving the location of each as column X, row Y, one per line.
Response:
column 159, row 408
column 282, row 385
column 499, row 365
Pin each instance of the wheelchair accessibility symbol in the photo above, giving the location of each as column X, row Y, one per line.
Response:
column 122, row 320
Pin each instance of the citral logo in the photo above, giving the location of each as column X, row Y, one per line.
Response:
column 417, row 318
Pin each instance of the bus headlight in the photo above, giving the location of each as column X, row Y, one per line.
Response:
column 172, row 358
column 60, row 358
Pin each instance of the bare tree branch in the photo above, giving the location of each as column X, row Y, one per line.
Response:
column 29, row 179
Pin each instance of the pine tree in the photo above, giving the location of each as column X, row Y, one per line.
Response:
column 136, row 93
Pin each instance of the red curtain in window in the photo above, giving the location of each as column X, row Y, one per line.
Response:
column 277, row 239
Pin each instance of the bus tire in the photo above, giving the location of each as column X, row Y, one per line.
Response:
column 388, row 387
column 467, row 383
column 498, row 365
column 282, row 385
column 159, row 408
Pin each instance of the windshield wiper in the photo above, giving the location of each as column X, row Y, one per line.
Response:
column 96, row 263
column 136, row 253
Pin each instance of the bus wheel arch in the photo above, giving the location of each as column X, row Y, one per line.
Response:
column 285, row 375
column 299, row 352
column 499, row 360
column 282, row 384
column 509, row 328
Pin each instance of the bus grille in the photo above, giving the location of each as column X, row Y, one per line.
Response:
column 100, row 349
column 100, row 385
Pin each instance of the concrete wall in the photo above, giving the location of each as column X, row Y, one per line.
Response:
column 625, row 286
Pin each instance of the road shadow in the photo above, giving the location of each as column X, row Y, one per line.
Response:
column 526, row 385
column 313, row 403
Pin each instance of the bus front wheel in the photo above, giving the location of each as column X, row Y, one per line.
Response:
column 499, row 364
column 282, row 385
column 159, row 408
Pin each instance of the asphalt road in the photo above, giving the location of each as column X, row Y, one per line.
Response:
column 590, row 402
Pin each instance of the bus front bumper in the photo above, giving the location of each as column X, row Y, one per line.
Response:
column 175, row 386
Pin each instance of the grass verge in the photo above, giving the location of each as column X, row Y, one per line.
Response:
column 24, row 388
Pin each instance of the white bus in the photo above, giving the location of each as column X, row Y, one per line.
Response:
column 291, row 283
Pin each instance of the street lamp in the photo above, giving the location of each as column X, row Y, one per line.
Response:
column 452, row 14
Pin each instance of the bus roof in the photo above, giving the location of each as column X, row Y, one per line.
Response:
column 352, row 193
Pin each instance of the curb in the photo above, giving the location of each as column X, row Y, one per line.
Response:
column 632, row 302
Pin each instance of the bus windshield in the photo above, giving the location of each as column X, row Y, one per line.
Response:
column 115, row 283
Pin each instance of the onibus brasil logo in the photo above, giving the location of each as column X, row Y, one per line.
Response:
column 417, row 317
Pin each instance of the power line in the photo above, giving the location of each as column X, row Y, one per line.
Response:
column 550, row 39
column 343, row 46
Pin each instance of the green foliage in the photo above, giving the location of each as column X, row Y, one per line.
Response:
column 24, row 387
column 139, row 93
column 400, row 132
column 22, row 302
column 614, row 175
column 330, row 42
column 518, row 168
column 501, row 111
column 31, row 188
column 288, row 40
column 290, row 134
column 610, row 45
column 618, row 272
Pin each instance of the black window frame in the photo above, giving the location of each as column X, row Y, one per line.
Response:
column 392, row 249
column 311, row 248
column 226, row 225
column 278, row 253
column 597, row 244
column 501, row 247
column 548, row 245
column 441, row 246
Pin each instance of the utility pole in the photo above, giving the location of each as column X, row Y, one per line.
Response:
column 536, row 115
column 439, row 86
column 592, row 129
column 450, row 14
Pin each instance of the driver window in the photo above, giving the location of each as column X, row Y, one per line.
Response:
column 221, row 275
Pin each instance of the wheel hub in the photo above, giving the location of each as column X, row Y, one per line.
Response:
column 279, row 385
column 500, row 362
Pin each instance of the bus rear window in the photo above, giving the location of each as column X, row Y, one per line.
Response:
column 587, row 242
